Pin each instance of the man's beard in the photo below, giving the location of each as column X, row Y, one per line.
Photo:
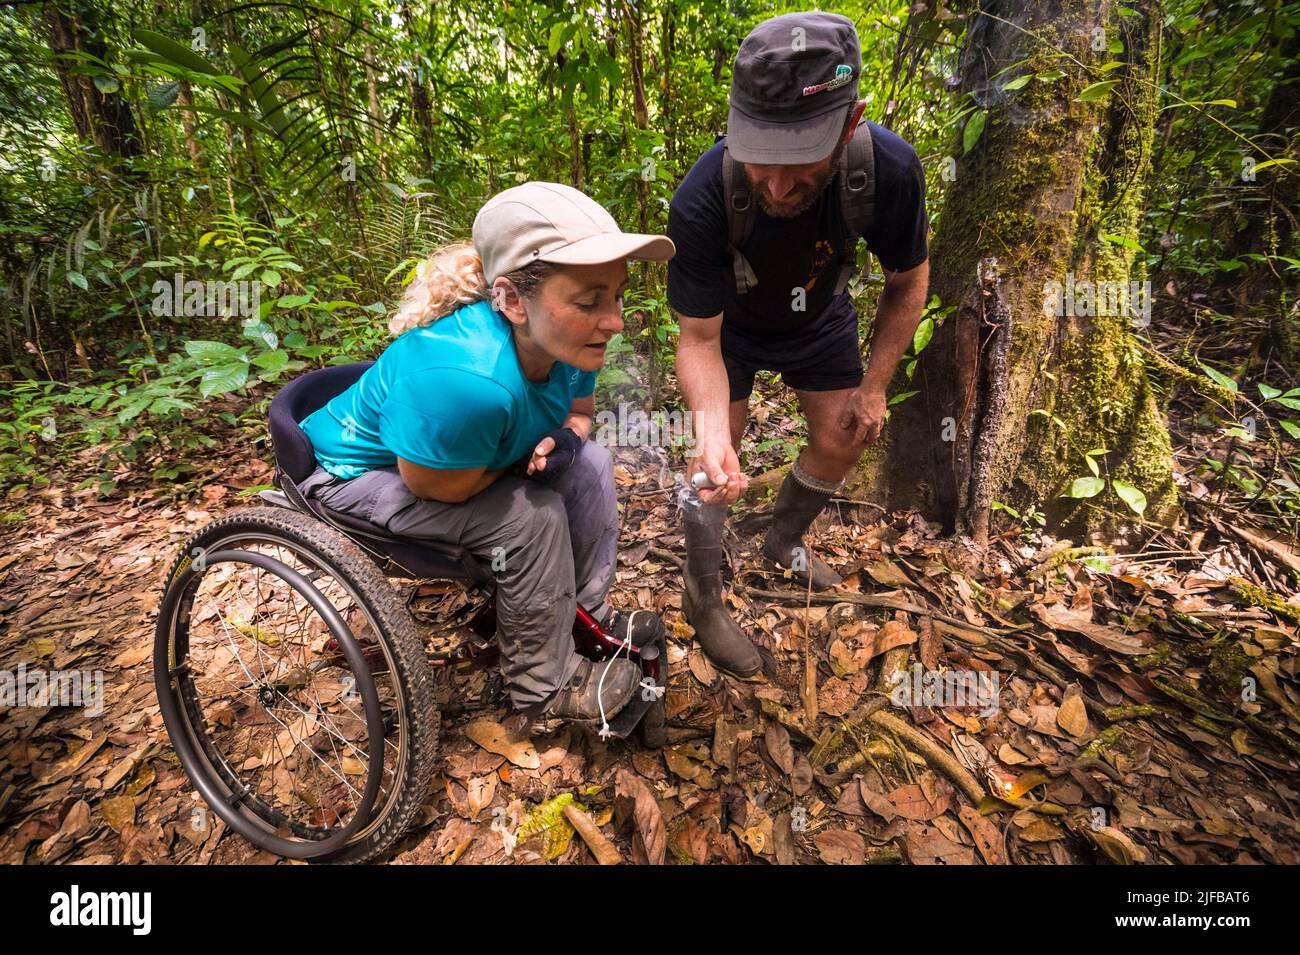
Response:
column 815, row 193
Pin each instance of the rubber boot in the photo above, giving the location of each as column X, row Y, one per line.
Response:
column 720, row 637
column 798, row 503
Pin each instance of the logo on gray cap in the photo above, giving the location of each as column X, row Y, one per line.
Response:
column 843, row 76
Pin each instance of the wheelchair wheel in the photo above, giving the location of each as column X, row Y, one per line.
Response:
column 294, row 686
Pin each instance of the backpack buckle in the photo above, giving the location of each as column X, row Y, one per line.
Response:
column 736, row 206
column 856, row 181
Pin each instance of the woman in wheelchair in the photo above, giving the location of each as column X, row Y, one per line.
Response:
column 472, row 429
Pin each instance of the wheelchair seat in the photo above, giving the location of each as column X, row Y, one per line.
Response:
column 295, row 460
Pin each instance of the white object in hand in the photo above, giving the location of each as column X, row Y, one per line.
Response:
column 701, row 481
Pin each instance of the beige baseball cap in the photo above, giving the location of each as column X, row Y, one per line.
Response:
column 550, row 222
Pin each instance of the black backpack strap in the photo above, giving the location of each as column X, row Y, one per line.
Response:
column 857, row 177
column 740, row 220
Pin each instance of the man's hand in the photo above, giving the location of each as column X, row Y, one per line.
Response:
column 864, row 414
column 702, row 376
column 717, row 458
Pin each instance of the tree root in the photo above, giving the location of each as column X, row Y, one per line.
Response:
column 833, row 740
column 1203, row 386
column 934, row 754
column 1135, row 711
column 1264, row 600
column 1205, row 711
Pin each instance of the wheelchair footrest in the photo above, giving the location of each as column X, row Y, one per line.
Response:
column 647, row 695
column 629, row 717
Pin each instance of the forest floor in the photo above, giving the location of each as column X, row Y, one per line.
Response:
column 1120, row 729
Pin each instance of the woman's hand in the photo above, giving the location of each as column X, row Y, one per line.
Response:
column 553, row 455
column 537, row 462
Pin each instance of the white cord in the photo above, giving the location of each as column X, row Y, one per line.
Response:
column 605, row 732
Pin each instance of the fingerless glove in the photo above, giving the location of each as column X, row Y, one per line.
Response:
column 567, row 447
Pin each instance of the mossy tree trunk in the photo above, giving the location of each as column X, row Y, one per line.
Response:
column 102, row 118
column 1011, row 394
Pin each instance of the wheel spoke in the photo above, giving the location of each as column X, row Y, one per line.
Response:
column 311, row 777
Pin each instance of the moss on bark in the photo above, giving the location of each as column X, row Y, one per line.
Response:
column 1053, row 191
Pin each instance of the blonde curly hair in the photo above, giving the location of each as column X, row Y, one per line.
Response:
column 449, row 278
column 452, row 276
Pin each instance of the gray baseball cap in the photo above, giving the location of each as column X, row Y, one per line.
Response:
column 794, row 81
column 550, row 222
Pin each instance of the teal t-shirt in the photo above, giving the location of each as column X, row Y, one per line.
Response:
column 449, row 395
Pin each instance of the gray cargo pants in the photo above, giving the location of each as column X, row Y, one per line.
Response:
column 539, row 540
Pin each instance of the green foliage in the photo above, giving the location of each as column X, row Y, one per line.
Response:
column 1032, row 521
column 323, row 149
column 1223, row 163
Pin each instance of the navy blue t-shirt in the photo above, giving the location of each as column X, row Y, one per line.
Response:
column 805, row 251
